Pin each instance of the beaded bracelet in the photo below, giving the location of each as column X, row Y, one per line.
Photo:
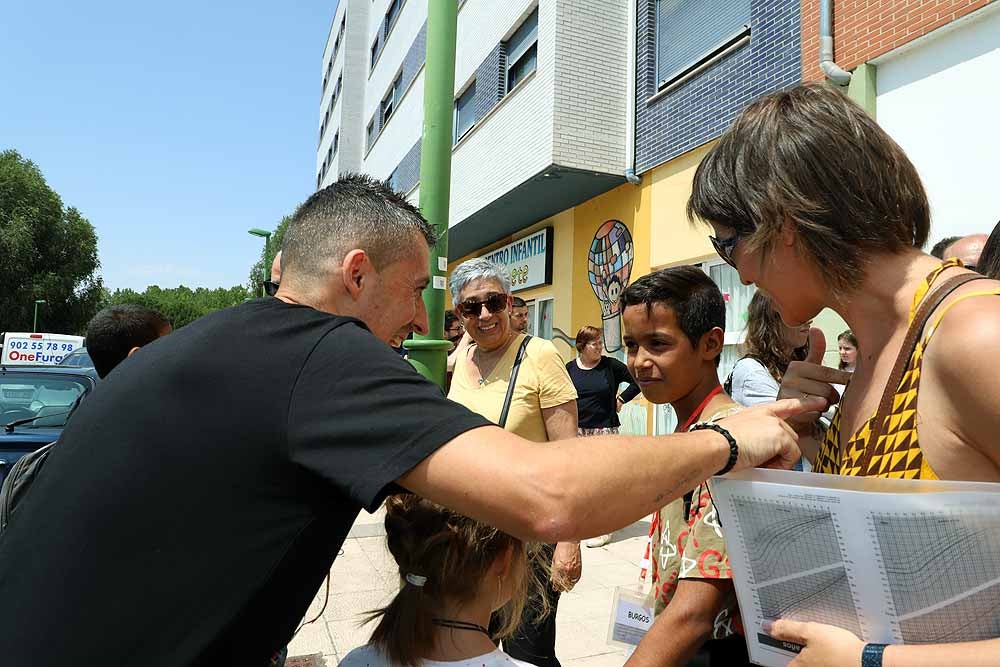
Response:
column 734, row 450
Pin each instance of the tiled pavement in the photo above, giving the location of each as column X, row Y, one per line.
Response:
column 364, row 577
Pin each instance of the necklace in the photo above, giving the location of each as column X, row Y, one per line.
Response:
column 477, row 357
column 460, row 625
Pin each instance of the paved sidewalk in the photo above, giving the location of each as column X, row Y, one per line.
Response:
column 365, row 577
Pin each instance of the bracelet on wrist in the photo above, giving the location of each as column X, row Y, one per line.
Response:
column 871, row 655
column 734, row 449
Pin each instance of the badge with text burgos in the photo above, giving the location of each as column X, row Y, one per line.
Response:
column 631, row 618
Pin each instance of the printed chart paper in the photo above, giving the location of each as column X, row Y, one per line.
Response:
column 893, row 561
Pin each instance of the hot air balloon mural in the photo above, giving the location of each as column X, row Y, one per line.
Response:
column 609, row 268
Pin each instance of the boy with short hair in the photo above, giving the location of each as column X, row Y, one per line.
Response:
column 675, row 329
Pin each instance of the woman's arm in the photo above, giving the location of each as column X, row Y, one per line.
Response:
column 621, row 374
column 567, row 563
column 830, row 646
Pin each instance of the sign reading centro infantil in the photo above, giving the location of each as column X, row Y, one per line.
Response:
column 528, row 261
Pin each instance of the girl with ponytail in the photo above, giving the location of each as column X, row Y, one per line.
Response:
column 454, row 574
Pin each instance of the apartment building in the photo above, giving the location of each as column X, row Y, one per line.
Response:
column 539, row 124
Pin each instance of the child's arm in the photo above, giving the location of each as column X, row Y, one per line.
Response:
column 684, row 625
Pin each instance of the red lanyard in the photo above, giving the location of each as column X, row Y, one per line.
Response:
column 653, row 525
column 696, row 415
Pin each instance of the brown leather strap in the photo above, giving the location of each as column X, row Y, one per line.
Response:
column 927, row 308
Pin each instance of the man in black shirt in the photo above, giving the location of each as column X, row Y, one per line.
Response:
column 198, row 498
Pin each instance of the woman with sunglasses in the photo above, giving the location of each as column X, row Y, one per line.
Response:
column 814, row 203
column 541, row 407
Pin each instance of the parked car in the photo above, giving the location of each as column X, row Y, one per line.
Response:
column 35, row 404
column 78, row 358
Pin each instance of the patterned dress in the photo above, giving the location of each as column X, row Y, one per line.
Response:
column 897, row 453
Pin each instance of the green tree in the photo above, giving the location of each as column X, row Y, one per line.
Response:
column 46, row 252
column 181, row 305
column 259, row 272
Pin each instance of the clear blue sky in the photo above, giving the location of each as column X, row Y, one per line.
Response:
column 173, row 126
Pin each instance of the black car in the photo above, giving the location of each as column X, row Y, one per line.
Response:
column 35, row 404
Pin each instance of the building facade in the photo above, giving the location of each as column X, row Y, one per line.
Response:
column 579, row 125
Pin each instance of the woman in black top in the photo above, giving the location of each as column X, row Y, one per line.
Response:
column 596, row 379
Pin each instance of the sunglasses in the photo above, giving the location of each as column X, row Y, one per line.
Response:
column 472, row 308
column 726, row 248
column 270, row 287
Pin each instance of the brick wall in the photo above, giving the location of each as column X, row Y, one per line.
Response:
column 699, row 109
column 865, row 29
column 591, row 80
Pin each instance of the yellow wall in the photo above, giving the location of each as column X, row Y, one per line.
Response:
column 673, row 240
column 630, row 204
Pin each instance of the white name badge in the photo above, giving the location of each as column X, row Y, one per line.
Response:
column 631, row 618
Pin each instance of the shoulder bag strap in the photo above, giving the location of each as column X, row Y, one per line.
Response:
column 513, row 381
column 929, row 305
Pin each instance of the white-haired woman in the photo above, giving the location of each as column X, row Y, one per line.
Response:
column 541, row 407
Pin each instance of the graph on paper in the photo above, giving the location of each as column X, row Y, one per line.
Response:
column 943, row 573
column 796, row 563
column 893, row 561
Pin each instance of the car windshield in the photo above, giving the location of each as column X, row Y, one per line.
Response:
column 77, row 359
column 25, row 396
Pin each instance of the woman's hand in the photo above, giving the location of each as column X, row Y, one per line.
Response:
column 811, row 378
column 824, row 645
column 567, row 566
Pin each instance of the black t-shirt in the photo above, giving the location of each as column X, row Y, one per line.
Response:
column 596, row 391
column 197, row 499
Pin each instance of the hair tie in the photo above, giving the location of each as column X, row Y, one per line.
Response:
column 416, row 580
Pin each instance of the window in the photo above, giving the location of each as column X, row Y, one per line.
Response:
column 392, row 14
column 540, row 313
column 690, row 33
column 465, row 112
column 391, row 99
column 374, row 54
column 522, row 51
column 370, row 133
column 336, row 143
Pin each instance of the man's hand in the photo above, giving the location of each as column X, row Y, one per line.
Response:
column 825, row 645
column 764, row 439
column 567, row 566
column 811, row 378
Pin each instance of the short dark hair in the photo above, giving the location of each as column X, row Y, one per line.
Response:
column 813, row 157
column 942, row 245
column 989, row 260
column 449, row 318
column 114, row 331
column 689, row 292
column 518, row 302
column 585, row 335
column 357, row 211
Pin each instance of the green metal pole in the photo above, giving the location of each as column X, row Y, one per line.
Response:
column 429, row 354
column 34, row 325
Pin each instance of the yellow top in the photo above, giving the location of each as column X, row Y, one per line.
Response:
column 897, row 453
column 542, row 382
